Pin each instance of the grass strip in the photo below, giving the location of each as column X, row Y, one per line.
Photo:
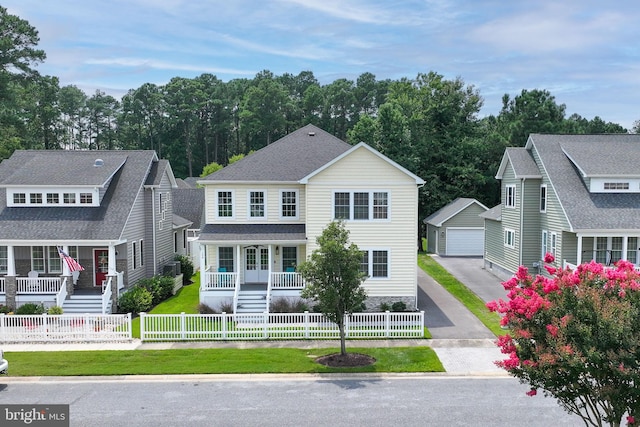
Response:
column 468, row 298
column 214, row 361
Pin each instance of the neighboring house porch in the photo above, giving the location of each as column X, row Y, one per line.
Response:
column 246, row 266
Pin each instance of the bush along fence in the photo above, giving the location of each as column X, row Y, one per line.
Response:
column 65, row 328
column 211, row 327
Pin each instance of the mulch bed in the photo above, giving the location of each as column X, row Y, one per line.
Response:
column 349, row 360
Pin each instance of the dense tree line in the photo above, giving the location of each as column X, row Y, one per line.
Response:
column 428, row 124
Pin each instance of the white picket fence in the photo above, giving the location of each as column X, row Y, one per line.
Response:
column 260, row 326
column 65, row 328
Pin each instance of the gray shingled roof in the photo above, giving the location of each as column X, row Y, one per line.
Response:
column 495, row 213
column 253, row 233
column 105, row 222
column 180, row 222
column 189, row 204
column 446, row 212
column 522, row 162
column 288, row 159
column 59, row 168
column 585, row 210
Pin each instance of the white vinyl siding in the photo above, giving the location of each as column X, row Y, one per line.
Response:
column 362, row 171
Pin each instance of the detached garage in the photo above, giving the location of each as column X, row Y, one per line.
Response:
column 457, row 229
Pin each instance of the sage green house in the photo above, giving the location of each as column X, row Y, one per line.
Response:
column 456, row 229
column 574, row 196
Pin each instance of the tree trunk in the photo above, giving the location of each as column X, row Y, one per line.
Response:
column 343, row 343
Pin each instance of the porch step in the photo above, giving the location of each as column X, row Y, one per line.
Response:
column 252, row 302
column 84, row 304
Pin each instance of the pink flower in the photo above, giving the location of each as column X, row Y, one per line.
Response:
column 631, row 420
column 553, row 330
column 550, row 269
column 622, row 293
column 549, row 258
column 532, row 392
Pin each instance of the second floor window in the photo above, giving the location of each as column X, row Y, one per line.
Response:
column 86, row 198
column 543, row 198
column 510, row 196
column 361, row 205
column 256, row 204
column 225, row 204
column 289, row 204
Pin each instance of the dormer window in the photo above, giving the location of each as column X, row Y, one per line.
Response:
column 69, row 198
column 19, row 198
column 35, row 198
column 42, row 197
column 616, row 185
column 53, row 198
column 86, row 198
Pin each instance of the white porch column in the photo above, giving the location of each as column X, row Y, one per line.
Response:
column 625, row 243
column 112, row 260
column 579, row 254
column 203, row 257
column 238, row 261
column 11, row 261
column 65, row 267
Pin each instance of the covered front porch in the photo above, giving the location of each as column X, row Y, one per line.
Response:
column 603, row 249
column 37, row 272
column 246, row 269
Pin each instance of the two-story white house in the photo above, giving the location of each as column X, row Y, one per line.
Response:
column 264, row 212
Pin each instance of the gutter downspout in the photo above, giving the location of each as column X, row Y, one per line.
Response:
column 153, row 230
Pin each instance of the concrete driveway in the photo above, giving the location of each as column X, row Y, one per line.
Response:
column 470, row 272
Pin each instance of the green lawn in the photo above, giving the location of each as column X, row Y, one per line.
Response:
column 470, row 300
column 213, row 361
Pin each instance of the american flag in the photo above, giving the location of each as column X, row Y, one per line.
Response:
column 72, row 263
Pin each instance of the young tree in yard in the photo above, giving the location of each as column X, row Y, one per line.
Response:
column 576, row 336
column 333, row 277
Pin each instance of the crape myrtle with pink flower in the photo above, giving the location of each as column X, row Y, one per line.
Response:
column 575, row 335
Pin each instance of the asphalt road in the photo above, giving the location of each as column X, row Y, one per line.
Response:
column 293, row 401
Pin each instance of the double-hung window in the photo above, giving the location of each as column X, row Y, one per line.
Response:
column 361, row 205
column 37, row 258
column 289, row 204
column 225, row 259
column 509, row 238
column 289, row 258
column 554, row 244
column 257, row 204
column 3, row 259
column 545, row 243
column 375, row 263
column 224, row 201
column 543, row 198
column 510, row 196
column 54, row 260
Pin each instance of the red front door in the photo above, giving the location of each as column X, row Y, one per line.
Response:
column 101, row 263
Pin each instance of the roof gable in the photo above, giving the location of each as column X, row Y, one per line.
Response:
column 363, row 146
column 522, row 163
column 452, row 209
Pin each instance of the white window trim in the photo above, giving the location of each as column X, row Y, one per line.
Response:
column 506, row 196
column 134, row 258
column 53, row 255
column 370, row 262
column 543, row 187
column 141, row 261
column 545, row 243
column 216, row 205
column 553, row 247
column 266, row 214
column 513, row 240
column 351, row 205
column 95, row 197
column 44, row 259
column 297, row 192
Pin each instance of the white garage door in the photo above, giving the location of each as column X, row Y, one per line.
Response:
column 465, row 241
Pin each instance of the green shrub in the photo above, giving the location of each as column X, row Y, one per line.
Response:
column 160, row 287
column 186, row 267
column 286, row 305
column 205, row 309
column 385, row 306
column 136, row 300
column 5, row 309
column 56, row 309
column 30, row 308
column 226, row 307
column 399, row 306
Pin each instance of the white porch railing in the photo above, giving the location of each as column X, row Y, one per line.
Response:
column 62, row 293
column 106, row 295
column 65, row 328
column 38, row 285
column 2, row 286
column 193, row 327
column 566, row 264
column 213, row 281
column 287, row 281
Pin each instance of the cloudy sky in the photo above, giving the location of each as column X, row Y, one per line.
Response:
column 585, row 52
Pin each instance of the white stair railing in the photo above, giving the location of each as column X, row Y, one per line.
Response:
column 106, row 296
column 62, row 293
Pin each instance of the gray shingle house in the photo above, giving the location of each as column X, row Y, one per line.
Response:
column 110, row 210
column 575, row 196
column 456, row 229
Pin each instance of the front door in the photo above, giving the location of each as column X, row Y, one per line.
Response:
column 101, row 264
column 256, row 265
